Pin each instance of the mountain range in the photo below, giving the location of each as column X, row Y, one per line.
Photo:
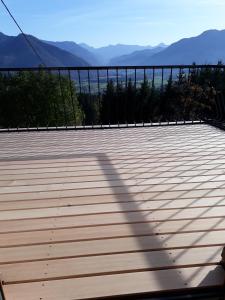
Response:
column 15, row 52
column 136, row 58
column 77, row 50
column 206, row 48
column 108, row 53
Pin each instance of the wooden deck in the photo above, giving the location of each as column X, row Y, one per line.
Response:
column 91, row 214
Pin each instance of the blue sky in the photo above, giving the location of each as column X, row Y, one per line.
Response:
column 103, row 22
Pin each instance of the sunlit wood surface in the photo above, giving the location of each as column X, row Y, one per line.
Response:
column 99, row 213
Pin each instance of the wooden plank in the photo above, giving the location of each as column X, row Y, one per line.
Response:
column 108, row 264
column 142, row 185
column 123, row 173
column 163, row 193
column 123, row 215
column 68, row 193
column 85, row 174
column 19, row 153
column 28, row 233
column 78, row 168
column 42, row 141
column 69, row 201
column 67, row 186
column 178, row 166
column 157, row 154
column 93, row 173
column 113, row 203
column 66, row 179
column 91, row 161
column 142, row 178
column 111, row 246
column 60, row 169
column 85, row 149
column 109, row 231
column 112, row 187
column 95, row 162
column 119, row 284
column 102, row 158
column 87, row 158
column 107, row 219
column 102, row 231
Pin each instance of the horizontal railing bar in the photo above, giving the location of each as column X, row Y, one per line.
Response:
column 113, row 68
column 112, row 126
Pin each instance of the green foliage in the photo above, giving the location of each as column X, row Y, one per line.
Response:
column 90, row 105
column 30, row 99
column 186, row 98
column 108, row 104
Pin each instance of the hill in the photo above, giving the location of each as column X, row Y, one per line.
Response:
column 15, row 52
column 137, row 58
column 206, row 48
column 77, row 50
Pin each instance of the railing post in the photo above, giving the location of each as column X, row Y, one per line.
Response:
column 62, row 97
column 72, row 98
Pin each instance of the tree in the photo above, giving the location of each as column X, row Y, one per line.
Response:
column 40, row 98
column 108, row 107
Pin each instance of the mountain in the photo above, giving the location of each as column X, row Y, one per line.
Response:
column 107, row 53
column 87, row 47
column 15, row 52
column 206, row 48
column 77, row 50
column 3, row 37
column 137, row 58
column 162, row 45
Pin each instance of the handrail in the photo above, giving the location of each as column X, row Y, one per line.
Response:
column 219, row 66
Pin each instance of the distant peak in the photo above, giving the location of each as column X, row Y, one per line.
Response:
column 211, row 31
column 20, row 35
column 161, row 45
column 84, row 45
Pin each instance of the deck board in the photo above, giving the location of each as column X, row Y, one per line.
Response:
column 100, row 213
column 107, row 264
column 109, row 246
column 118, row 285
column 133, row 214
column 113, row 203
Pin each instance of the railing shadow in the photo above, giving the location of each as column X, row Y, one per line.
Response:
column 134, row 206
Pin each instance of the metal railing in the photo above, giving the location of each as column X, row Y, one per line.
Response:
column 95, row 97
